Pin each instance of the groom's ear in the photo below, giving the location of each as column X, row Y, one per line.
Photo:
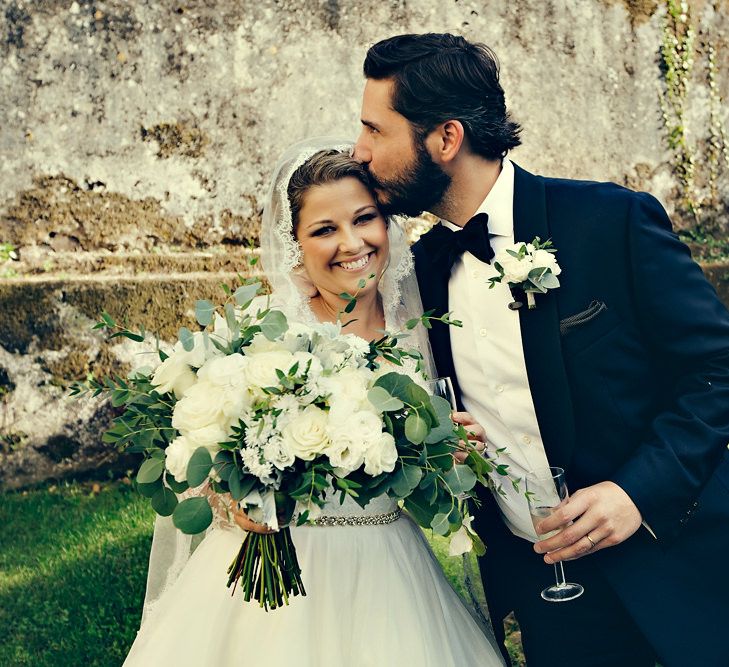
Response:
column 445, row 141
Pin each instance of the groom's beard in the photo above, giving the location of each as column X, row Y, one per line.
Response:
column 422, row 185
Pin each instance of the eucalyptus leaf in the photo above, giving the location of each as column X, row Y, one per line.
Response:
column 240, row 488
column 186, row 338
column 274, row 324
column 150, row 471
column 383, row 401
column 224, row 464
column 396, row 384
column 148, row 490
column 199, row 467
column 420, row 508
column 444, row 427
column 460, row 479
column 416, row 428
column 193, row 515
column 177, row 487
column 245, row 293
column 440, row 524
column 204, row 311
column 164, row 501
column 405, row 480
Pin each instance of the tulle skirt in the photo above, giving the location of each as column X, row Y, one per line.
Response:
column 376, row 597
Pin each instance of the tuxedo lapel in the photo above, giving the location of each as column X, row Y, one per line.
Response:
column 434, row 294
column 540, row 331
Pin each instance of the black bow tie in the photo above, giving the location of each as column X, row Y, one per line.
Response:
column 445, row 246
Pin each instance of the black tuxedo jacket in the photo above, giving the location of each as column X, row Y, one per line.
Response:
column 636, row 392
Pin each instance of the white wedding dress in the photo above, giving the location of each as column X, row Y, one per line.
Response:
column 376, row 597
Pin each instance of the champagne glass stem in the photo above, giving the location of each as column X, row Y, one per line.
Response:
column 559, row 574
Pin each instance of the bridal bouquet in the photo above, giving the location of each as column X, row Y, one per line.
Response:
column 281, row 416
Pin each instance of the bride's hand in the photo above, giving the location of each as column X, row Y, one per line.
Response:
column 242, row 519
column 476, row 435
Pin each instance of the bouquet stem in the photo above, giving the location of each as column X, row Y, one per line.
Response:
column 268, row 569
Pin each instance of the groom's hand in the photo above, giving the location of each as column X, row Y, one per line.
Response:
column 594, row 518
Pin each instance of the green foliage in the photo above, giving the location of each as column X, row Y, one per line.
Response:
column 697, row 165
column 73, row 575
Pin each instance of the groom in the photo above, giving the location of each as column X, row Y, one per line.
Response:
column 620, row 375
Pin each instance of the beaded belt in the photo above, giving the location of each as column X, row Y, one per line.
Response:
column 358, row 520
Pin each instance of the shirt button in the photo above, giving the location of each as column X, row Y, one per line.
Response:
column 483, row 332
column 500, row 388
column 526, row 439
column 474, row 274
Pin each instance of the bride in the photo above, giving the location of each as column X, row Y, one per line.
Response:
column 376, row 596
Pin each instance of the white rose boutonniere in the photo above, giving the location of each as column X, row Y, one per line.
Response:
column 527, row 267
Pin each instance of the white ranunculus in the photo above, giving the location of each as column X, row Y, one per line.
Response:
column 542, row 258
column 349, row 384
column 277, row 452
column 351, row 436
column 381, row 455
column 306, row 434
column 173, row 374
column 515, row 270
column 261, row 367
column 461, row 542
column 177, row 456
column 345, row 451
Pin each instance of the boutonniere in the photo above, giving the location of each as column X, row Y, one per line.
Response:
column 528, row 268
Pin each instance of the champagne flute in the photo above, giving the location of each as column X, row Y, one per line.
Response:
column 443, row 387
column 546, row 493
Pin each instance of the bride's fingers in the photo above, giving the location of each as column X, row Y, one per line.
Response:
column 247, row 524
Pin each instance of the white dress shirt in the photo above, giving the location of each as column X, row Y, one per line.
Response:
column 489, row 359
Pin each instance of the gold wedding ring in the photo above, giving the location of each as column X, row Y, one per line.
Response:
column 592, row 544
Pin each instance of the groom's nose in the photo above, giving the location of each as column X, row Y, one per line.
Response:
column 361, row 152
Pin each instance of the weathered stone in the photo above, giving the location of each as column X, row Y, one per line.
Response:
column 138, row 141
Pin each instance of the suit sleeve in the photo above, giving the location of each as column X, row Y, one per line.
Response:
column 682, row 319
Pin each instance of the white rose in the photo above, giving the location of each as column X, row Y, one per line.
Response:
column 173, row 374
column 177, row 456
column 261, row 367
column 381, row 455
column 515, row 270
column 208, row 436
column 228, row 375
column 202, row 405
column 542, row 258
column 306, row 434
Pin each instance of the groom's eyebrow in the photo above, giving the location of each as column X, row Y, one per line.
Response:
column 369, row 123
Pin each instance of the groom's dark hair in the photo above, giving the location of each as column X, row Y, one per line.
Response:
column 440, row 77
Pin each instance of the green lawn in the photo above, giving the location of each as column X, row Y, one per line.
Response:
column 73, row 563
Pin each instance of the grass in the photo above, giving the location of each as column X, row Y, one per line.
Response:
column 73, row 567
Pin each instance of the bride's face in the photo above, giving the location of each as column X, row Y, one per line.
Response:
column 343, row 237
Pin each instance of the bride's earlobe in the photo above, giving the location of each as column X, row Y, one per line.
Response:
column 300, row 278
